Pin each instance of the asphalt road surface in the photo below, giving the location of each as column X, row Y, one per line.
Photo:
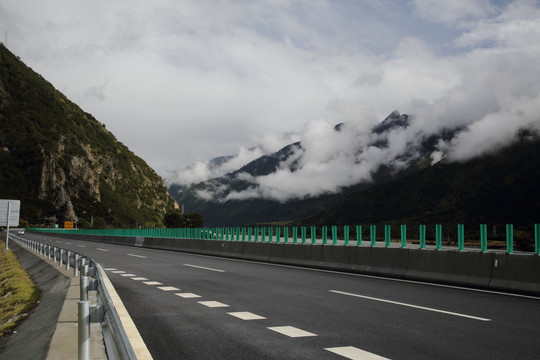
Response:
column 198, row 307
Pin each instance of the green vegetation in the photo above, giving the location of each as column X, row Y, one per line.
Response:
column 63, row 164
column 18, row 294
column 175, row 219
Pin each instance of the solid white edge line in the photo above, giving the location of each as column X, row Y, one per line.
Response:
column 204, row 268
column 410, row 305
column 135, row 339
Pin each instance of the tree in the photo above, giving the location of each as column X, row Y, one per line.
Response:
column 174, row 219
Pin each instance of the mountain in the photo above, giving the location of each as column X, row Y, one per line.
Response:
column 65, row 165
column 498, row 188
column 240, row 198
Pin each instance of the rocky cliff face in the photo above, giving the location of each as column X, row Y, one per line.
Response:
column 63, row 164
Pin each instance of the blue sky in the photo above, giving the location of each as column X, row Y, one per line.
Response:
column 184, row 81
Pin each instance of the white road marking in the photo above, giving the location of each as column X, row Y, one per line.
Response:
column 350, row 352
column 139, row 256
column 102, row 249
column 187, row 295
column 68, row 243
column 291, row 331
column 411, row 305
column 205, row 268
column 244, row 315
column 168, row 288
column 81, row 246
column 139, row 278
column 126, row 275
column 118, row 272
column 109, row 269
column 152, row 283
column 213, row 304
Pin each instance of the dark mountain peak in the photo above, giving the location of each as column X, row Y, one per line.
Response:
column 392, row 121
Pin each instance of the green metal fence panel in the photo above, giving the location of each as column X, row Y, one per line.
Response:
column 510, row 238
column 346, row 235
column 403, row 236
column 270, row 235
column 461, row 237
column 438, row 237
column 313, row 235
column 359, row 235
column 278, row 235
column 286, row 235
column 422, row 233
column 243, row 234
column 334, row 235
column 373, row 235
column 483, row 237
column 387, row 235
column 256, row 234
column 537, row 239
column 295, row 234
column 303, row 234
column 324, row 235
column 263, row 236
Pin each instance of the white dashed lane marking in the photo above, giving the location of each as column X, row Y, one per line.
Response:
column 118, row 272
column 139, row 278
column 152, row 283
column 126, row 275
column 350, row 352
column 109, row 269
column 204, row 268
column 168, row 288
column 188, row 295
column 138, row 256
column 244, row 315
column 411, row 305
column 81, row 246
column 213, row 304
column 291, row 331
column 100, row 249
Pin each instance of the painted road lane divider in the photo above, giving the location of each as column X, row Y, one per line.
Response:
column 411, row 305
column 204, row 268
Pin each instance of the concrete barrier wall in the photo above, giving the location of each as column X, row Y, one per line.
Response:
column 497, row 271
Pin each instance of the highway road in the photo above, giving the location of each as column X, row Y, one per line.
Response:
column 198, row 307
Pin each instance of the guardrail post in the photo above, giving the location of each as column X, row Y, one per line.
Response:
column 403, row 236
column 509, row 238
column 373, row 234
column 346, row 235
column 83, row 287
column 76, row 265
column 359, row 235
column 61, row 260
column 461, row 237
column 84, row 330
column 68, row 256
column 483, row 237
column 438, row 237
column 54, row 254
column 387, row 235
column 537, row 239
column 422, row 233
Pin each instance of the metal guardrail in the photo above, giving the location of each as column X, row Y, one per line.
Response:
column 103, row 311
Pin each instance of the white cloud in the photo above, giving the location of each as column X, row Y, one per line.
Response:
column 454, row 11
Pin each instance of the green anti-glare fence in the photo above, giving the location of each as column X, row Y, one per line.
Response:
column 340, row 236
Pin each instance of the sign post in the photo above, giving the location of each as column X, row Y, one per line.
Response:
column 9, row 215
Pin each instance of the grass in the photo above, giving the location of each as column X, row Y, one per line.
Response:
column 18, row 293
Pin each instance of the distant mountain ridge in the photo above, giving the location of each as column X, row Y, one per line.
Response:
column 63, row 164
column 220, row 199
